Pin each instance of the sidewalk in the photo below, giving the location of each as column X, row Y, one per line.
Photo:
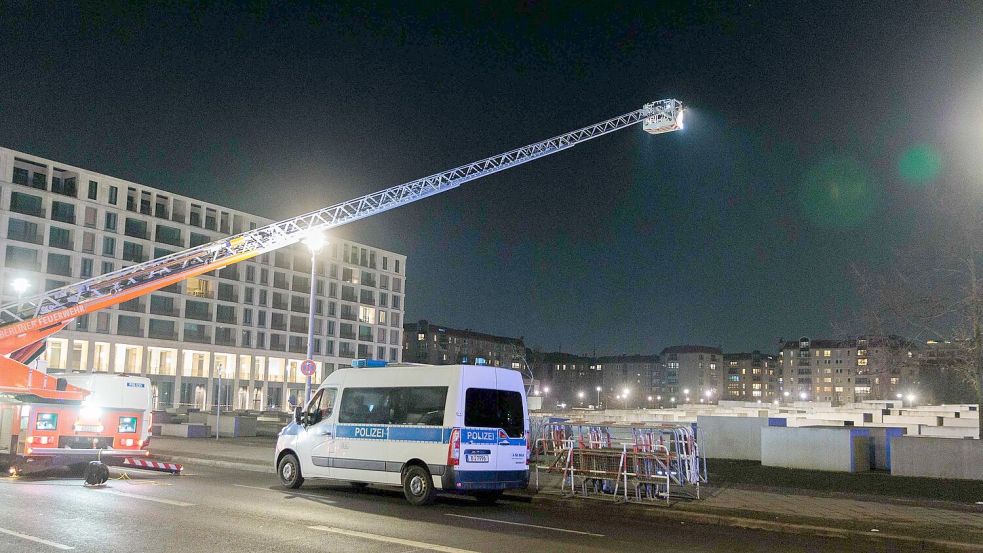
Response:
column 940, row 524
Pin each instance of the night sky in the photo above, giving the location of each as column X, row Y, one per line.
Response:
column 814, row 136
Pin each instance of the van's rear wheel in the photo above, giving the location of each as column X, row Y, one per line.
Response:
column 418, row 486
column 488, row 497
column 289, row 472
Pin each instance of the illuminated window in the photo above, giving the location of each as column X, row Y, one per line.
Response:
column 861, row 362
column 826, row 353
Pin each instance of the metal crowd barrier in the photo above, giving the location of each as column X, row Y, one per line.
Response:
column 608, row 459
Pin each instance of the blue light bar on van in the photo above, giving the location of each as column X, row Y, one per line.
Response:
column 368, row 363
column 480, row 361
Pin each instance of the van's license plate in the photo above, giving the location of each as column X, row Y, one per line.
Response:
column 477, row 455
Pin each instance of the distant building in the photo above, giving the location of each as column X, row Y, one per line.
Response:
column 698, row 371
column 424, row 342
column 641, row 376
column 750, row 376
column 845, row 371
column 565, row 378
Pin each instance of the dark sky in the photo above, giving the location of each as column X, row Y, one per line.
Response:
column 815, row 133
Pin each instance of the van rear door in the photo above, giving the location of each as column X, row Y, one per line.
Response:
column 512, row 450
column 493, row 439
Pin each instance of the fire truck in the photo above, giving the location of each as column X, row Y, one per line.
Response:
column 49, row 420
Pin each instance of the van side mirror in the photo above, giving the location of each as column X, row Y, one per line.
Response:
column 298, row 415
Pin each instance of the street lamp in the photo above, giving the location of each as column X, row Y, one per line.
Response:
column 20, row 285
column 598, row 389
column 218, row 402
column 314, row 242
column 625, row 396
column 803, row 396
column 580, row 396
column 546, row 391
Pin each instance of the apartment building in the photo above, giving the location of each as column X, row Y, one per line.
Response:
column 698, row 369
column 246, row 324
column 750, row 377
column 636, row 381
column 435, row 344
column 846, row 371
column 565, row 378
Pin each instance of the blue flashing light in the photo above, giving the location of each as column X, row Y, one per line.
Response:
column 368, row 363
column 480, row 361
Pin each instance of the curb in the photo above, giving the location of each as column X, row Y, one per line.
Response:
column 681, row 516
column 251, row 467
column 773, row 526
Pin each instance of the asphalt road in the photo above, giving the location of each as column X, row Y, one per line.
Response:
column 217, row 510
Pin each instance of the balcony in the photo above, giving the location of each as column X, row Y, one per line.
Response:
column 347, row 335
column 127, row 330
column 62, row 244
column 162, row 335
column 277, row 345
column 298, row 347
column 198, row 314
column 298, row 327
column 197, row 337
column 135, row 257
column 349, row 297
column 135, row 306
column 225, row 339
column 27, row 210
column 164, row 309
column 26, row 237
column 278, row 325
column 226, row 318
column 280, row 305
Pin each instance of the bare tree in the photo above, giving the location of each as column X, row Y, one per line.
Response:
column 932, row 288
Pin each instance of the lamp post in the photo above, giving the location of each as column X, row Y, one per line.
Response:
column 625, row 396
column 218, row 402
column 314, row 242
column 580, row 396
column 598, row 389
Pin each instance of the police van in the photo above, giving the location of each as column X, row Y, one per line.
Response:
column 456, row 428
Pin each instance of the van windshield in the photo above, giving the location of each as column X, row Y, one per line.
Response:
column 488, row 408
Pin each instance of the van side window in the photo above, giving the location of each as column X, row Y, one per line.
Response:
column 416, row 405
column 484, row 407
column 321, row 405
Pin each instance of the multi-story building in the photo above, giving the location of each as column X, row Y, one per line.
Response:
column 635, row 381
column 698, row 370
column 750, row 376
column 566, row 378
column 846, row 371
column 246, row 324
column 425, row 342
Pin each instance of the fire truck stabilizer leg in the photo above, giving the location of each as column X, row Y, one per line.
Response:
column 96, row 473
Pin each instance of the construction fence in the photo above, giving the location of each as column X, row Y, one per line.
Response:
column 629, row 462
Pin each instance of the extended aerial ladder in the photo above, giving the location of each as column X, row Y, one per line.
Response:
column 26, row 323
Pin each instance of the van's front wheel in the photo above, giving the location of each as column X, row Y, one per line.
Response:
column 289, row 472
column 418, row 486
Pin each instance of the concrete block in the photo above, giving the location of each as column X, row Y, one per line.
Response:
column 186, row 430
column 937, row 457
column 880, row 445
column 730, row 437
column 234, row 426
column 948, row 432
column 832, row 449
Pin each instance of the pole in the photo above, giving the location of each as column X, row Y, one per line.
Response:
column 598, row 398
column 218, row 402
column 310, row 324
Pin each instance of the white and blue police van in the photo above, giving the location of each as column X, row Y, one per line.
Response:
column 456, row 428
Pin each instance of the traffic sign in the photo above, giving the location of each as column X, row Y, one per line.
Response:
column 308, row 368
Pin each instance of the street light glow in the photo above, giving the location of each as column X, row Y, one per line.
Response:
column 803, row 395
column 546, row 390
column 685, row 391
column 598, row 389
column 580, row 395
column 315, row 240
column 20, row 285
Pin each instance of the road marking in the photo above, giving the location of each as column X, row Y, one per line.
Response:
column 35, row 539
column 148, row 498
column 285, row 492
column 388, row 539
column 529, row 525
